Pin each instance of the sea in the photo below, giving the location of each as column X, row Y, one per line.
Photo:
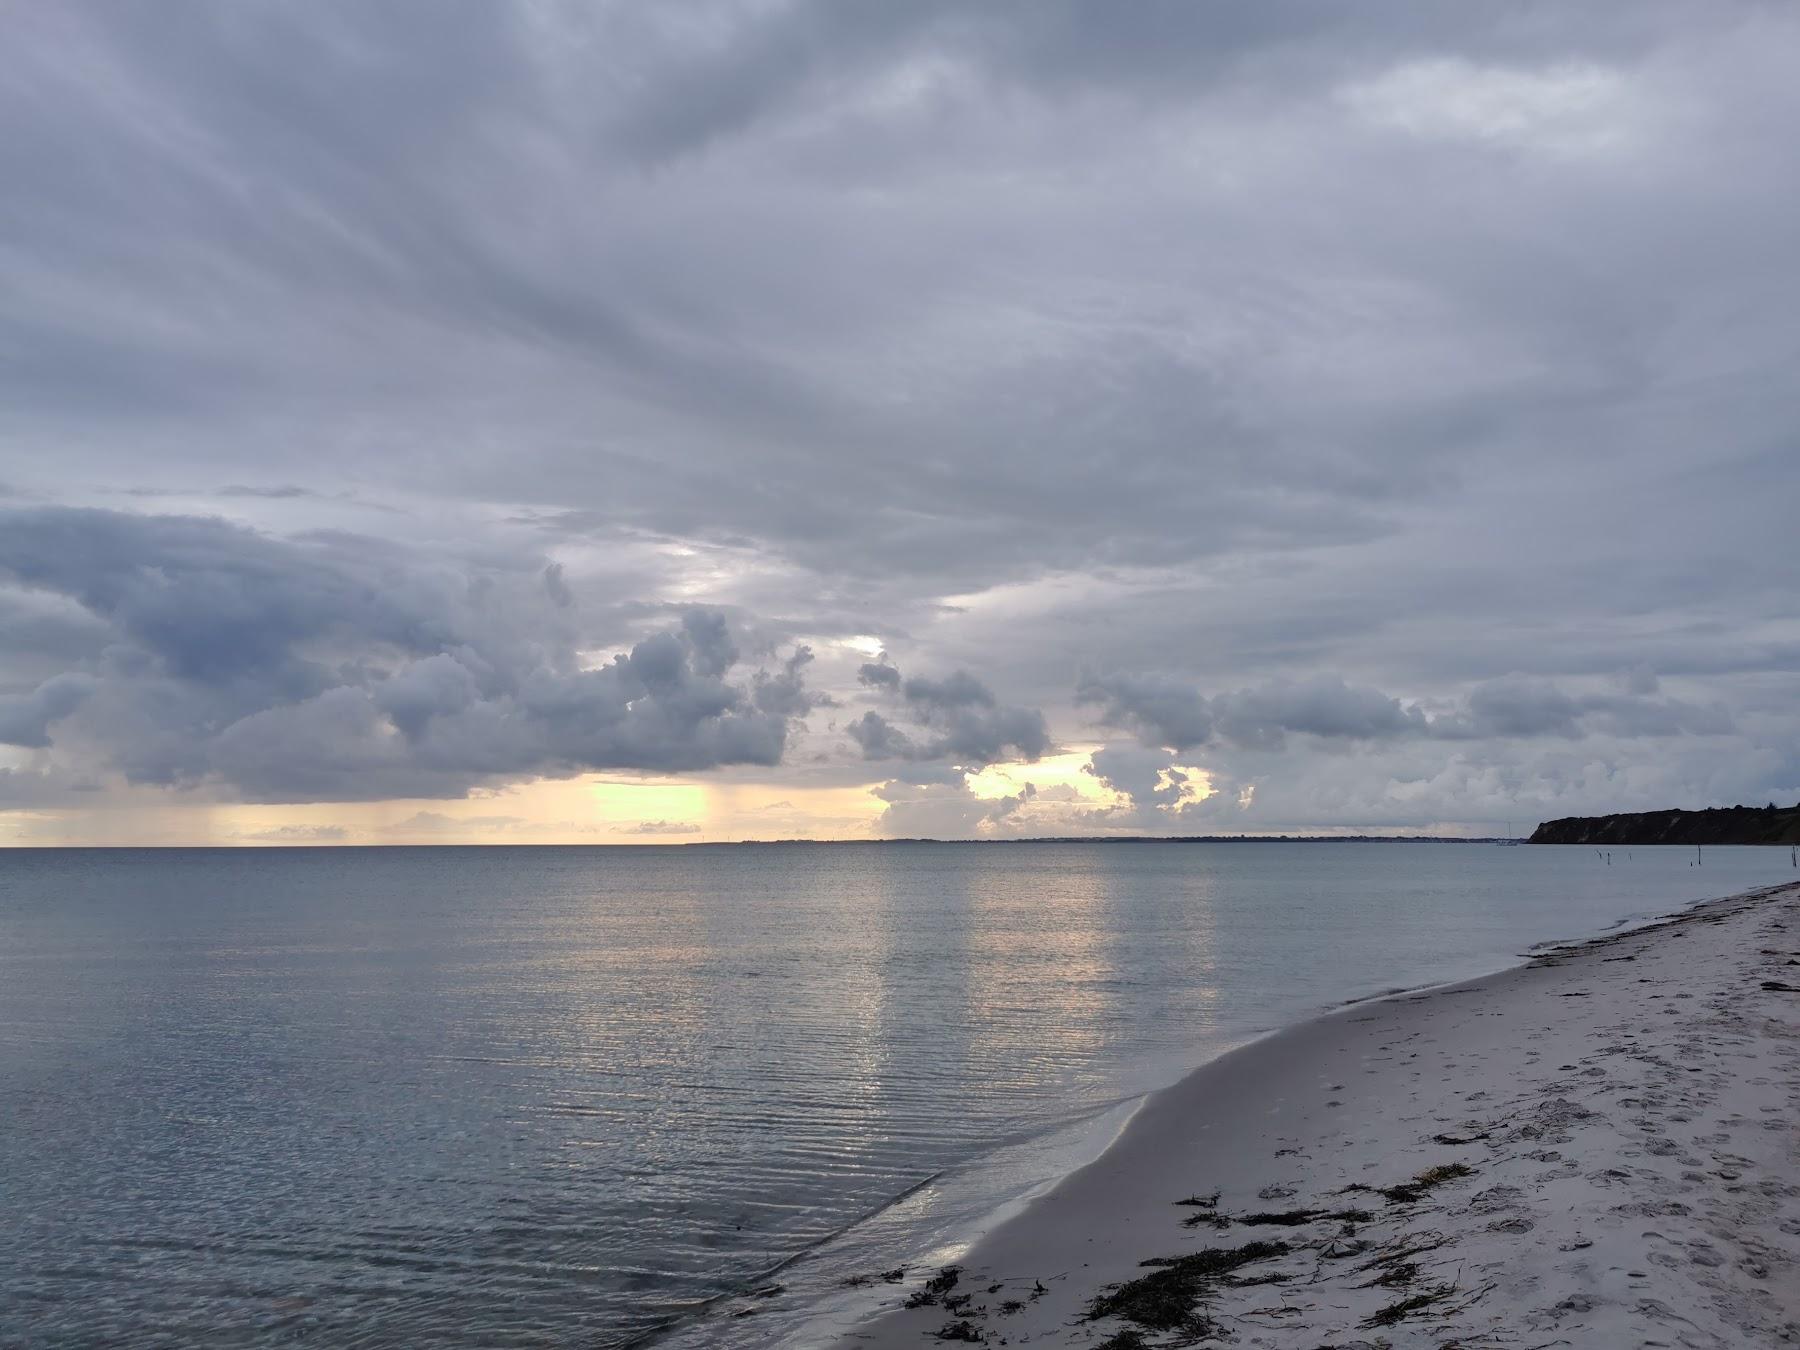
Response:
column 700, row 1096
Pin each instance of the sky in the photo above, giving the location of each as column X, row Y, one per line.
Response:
column 623, row 423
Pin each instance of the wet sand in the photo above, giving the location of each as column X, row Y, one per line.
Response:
column 1598, row 1148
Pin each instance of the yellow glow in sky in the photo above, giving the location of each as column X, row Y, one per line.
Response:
column 588, row 810
column 1070, row 770
column 1065, row 770
column 594, row 809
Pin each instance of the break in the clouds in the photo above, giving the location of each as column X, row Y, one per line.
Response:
column 1297, row 415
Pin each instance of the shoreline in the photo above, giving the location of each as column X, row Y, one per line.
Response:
column 1290, row 1135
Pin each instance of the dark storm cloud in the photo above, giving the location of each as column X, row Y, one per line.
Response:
column 1395, row 374
column 335, row 667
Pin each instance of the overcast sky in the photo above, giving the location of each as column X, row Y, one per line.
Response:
column 711, row 420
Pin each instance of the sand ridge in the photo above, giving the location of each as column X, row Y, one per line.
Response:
column 1599, row 1148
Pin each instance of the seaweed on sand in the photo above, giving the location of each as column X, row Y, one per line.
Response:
column 1206, row 1218
column 1206, row 1213
column 1169, row 1298
column 1396, row 1313
column 1409, row 1192
column 1294, row 1218
column 1397, row 1274
column 935, row 1288
column 1202, row 1201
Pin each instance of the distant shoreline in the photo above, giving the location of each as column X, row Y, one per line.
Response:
column 786, row 843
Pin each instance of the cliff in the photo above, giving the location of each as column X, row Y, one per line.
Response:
column 1721, row 825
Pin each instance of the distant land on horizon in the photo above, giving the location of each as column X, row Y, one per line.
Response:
column 1769, row 824
column 772, row 843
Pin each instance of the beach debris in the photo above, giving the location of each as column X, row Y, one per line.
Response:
column 962, row 1330
column 1208, row 1217
column 934, row 1289
column 1410, row 1192
column 1400, row 1253
column 1124, row 1340
column 1254, row 1281
column 1170, row 1297
column 1395, row 1313
column 1342, row 1249
column 1399, row 1273
column 1294, row 1218
column 1777, row 987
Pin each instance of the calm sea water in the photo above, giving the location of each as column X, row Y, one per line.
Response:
column 555, row 1096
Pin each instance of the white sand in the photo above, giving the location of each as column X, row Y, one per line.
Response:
column 1630, row 1110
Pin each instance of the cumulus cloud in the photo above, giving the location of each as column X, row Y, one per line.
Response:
column 955, row 717
column 1145, row 776
column 783, row 693
column 927, row 807
column 334, row 668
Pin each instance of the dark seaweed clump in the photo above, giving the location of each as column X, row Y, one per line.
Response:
column 1395, row 1313
column 1169, row 1298
column 935, row 1288
column 1409, row 1192
column 1293, row 1218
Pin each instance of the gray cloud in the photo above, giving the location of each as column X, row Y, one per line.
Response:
column 25, row 719
column 333, row 668
column 955, row 718
column 1167, row 712
column 925, row 807
column 1310, row 351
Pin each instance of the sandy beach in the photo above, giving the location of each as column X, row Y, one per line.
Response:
column 1598, row 1148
